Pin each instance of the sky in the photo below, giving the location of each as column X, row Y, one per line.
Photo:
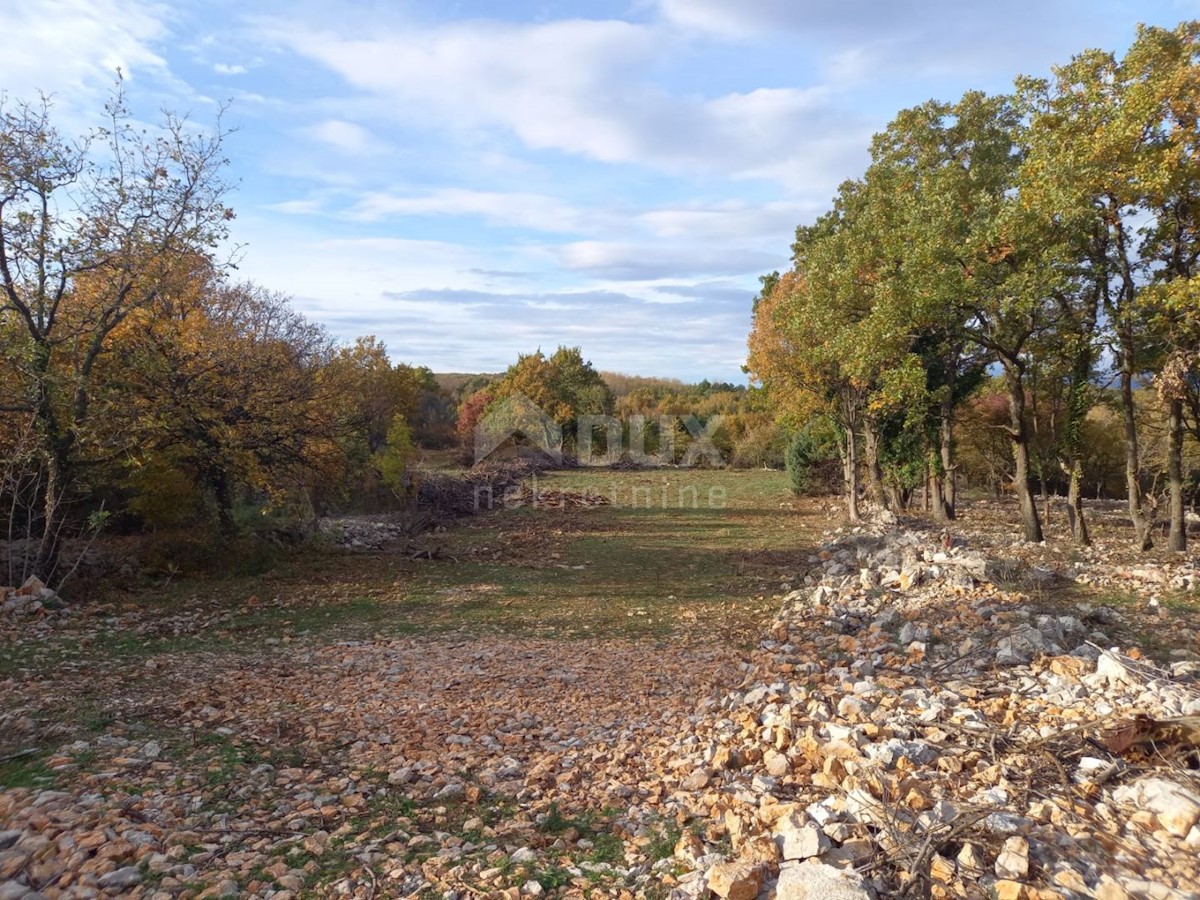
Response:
column 469, row 181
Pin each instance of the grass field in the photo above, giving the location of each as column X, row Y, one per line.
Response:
column 671, row 549
column 680, row 553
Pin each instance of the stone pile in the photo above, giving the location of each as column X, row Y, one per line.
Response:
column 32, row 597
column 363, row 532
column 914, row 730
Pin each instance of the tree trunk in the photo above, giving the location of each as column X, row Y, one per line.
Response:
column 50, row 544
column 946, row 439
column 223, row 493
column 1079, row 401
column 1019, row 435
column 1143, row 539
column 1177, row 540
column 1041, row 473
column 937, row 499
column 850, row 475
column 1072, row 445
column 1079, row 531
column 874, row 471
column 55, row 452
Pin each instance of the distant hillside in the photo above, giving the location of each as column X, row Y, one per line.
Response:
column 621, row 384
column 452, row 382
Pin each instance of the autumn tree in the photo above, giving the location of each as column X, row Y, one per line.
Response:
column 227, row 382
column 563, row 385
column 792, row 355
column 470, row 411
column 123, row 206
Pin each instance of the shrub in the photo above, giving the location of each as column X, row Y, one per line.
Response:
column 761, row 447
column 810, row 457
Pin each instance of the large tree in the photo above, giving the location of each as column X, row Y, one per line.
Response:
column 229, row 385
column 1114, row 153
column 563, row 385
column 972, row 266
column 123, row 209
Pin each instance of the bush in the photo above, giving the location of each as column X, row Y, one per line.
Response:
column 164, row 495
column 761, row 447
column 811, row 460
column 392, row 461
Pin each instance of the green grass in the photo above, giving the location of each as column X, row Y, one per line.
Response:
column 552, row 878
column 26, row 772
column 663, row 845
column 617, row 571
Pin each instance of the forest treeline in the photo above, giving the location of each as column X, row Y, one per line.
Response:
column 142, row 386
column 1039, row 246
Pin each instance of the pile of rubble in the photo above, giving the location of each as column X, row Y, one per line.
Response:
column 1108, row 563
column 31, row 598
column 1170, row 575
column 366, row 532
column 914, row 730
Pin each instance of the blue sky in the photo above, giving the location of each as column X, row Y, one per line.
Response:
column 472, row 180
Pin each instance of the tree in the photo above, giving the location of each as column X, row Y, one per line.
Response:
column 975, row 266
column 793, row 356
column 564, row 385
column 1166, row 65
column 393, row 458
column 807, row 450
column 124, row 209
column 1115, row 151
column 470, row 412
column 228, row 382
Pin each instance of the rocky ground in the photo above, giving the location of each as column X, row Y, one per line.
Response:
column 920, row 719
column 912, row 729
column 375, row 768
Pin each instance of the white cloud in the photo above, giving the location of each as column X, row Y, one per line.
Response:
column 345, row 136
column 295, row 255
column 864, row 39
column 728, row 222
column 296, row 207
column 624, row 261
column 229, row 69
column 534, row 79
column 74, row 47
column 586, row 88
column 539, row 212
column 740, row 19
column 464, row 330
column 743, row 18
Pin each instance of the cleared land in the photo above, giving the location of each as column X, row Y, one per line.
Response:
column 276, row 707
column 508, row 713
